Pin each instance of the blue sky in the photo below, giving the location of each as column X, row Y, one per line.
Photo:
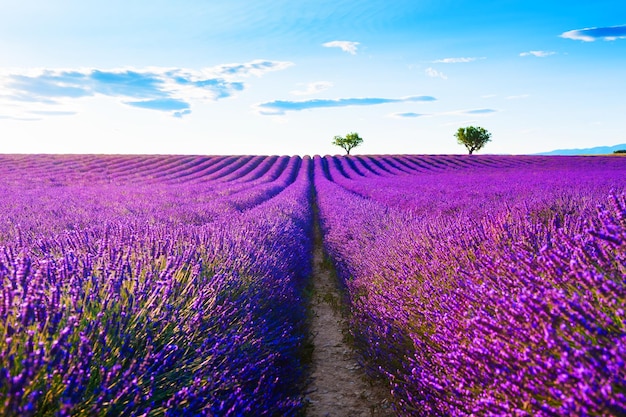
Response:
column 285, row 77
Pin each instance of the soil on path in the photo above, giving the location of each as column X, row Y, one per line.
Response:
column 339, row 386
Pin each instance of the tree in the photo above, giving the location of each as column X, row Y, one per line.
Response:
column 474, row 138
column 352, row 140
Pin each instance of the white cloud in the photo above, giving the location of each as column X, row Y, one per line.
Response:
column 431, row 72
column 473, row 112
column 346, row 46
column 51, row 92
column 409, row 115
column 609, row 33
column 538, row 54
column 313, row 88
column 458, row 60
column 518, row 97
column 257, row 68
column 280, row 107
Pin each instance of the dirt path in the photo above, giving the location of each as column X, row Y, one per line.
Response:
column 339, row 385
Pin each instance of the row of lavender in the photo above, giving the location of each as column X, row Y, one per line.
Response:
column 77, row 191
column 171, row 284
column 484, row 285
column 153, row 285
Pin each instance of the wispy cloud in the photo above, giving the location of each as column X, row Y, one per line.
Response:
column 171, row 90
column 411, row 115
column 538, row 54
column 458, row 60
column 313, row 88
column 181, row 113
column 408, row 115
column 431, row 72
column 609, row 33
column 346, row 46
column 162, row 104
column 279, row 107
column 257, row 68
column 477, row 111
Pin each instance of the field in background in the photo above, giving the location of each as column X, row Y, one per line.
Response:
column 176, row 285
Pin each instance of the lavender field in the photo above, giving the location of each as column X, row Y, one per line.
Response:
column 178, row 285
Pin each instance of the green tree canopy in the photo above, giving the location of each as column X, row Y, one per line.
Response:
column 473, row 137
column 352, row 140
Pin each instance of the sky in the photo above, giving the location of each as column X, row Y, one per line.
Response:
column 284, row 77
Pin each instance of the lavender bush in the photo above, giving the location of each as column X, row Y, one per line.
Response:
column 502, row 299
column 172, row 285
column 114, row 303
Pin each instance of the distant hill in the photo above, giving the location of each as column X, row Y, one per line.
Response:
column 598, row 150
